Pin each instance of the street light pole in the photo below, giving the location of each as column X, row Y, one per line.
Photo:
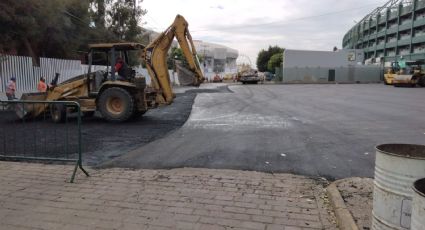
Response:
column 174, row 70
column 203, row 61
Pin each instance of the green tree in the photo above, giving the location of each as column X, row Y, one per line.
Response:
column 18, row 25
column 123, row 18
column 265, row 55
column 46, row 28
column 60, row 28
column 177, row 54
column 274, row 62
column 98, row 12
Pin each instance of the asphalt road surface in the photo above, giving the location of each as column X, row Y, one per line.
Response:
column 101, row 140
column 316, row 130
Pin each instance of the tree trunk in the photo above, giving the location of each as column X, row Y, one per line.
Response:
column 30, row 51
column 100, row 21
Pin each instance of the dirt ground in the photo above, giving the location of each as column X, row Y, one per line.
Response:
column 101, row 140
column 357, row 194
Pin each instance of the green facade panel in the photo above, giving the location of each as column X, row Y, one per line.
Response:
column 395, row 26
column 404, row 42
column 406, row 26
column 392, row 30
column 419, row 22
column 420, row 39
column 380, row 46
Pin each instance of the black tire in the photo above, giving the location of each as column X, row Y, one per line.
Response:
column 385, row 82
column 88, row 114
column 137, row 114
column 116, row 104
column 58, row 113
column 421, row 81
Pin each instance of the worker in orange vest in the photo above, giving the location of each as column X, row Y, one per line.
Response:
column 11, row 89
column 42, row 86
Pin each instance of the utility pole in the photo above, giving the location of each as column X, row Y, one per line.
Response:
column 204, row 59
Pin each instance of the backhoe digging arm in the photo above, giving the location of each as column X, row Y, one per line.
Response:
column 155, row 56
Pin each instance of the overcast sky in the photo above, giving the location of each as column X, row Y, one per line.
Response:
column 252, row 25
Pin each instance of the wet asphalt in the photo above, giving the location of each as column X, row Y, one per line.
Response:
column 314, row 130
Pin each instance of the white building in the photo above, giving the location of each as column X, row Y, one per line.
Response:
column 216, row 58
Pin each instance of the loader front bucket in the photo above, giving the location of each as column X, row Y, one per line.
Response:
column 31, row 109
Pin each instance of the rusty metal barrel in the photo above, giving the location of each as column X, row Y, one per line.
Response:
column 418, row 205
column 397, row 166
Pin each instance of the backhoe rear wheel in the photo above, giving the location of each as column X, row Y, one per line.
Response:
column 421, row 81
column 116, row 104
column 88, row 114
column 58, row 113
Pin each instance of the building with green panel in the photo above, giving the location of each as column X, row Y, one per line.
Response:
column 392, row 31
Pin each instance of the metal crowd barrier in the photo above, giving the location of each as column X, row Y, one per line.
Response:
column 37, row 138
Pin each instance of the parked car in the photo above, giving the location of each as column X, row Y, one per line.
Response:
column 217, row 78
column 269, row 76
column 250, row 77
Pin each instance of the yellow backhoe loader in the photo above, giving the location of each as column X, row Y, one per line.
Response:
column 120, row 95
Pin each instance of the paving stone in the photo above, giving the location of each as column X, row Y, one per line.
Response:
column 37, row 196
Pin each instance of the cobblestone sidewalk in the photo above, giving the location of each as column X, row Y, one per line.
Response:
column 37, row 196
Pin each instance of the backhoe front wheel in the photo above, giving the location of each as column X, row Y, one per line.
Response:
column 116, row 104
column 58, row 113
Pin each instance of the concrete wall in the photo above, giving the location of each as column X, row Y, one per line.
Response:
column 308, row 58
column 305, row 66
column 352, row 74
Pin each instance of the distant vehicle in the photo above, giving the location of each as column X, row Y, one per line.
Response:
column 249, row 77
column 269, row 76
column 408, row 74
column 217, row 78
column 228, row 77
column 411, row 75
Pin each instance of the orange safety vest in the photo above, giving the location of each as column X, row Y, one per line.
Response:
column 41, row 87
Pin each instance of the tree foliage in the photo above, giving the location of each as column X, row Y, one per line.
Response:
column 58, row 29
column 265, row 55
column 123, row 17
column 177, row 54
column 274, row 62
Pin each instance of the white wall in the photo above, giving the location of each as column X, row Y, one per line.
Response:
column 27, row 75
column 307, row 58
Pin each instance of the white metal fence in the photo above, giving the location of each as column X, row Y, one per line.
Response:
column 27, row 74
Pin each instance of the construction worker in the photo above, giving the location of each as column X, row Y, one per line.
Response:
column 11, row 89
column 121, row 68
column 42, row 86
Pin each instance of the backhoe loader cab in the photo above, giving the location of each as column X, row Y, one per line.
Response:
column 117, row 94
column 107, row 54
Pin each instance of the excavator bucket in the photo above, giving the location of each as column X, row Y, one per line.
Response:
column 24, row 110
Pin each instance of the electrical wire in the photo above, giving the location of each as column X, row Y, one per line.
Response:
column 285, row 22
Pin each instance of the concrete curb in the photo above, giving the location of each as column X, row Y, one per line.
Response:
column 343, row 217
